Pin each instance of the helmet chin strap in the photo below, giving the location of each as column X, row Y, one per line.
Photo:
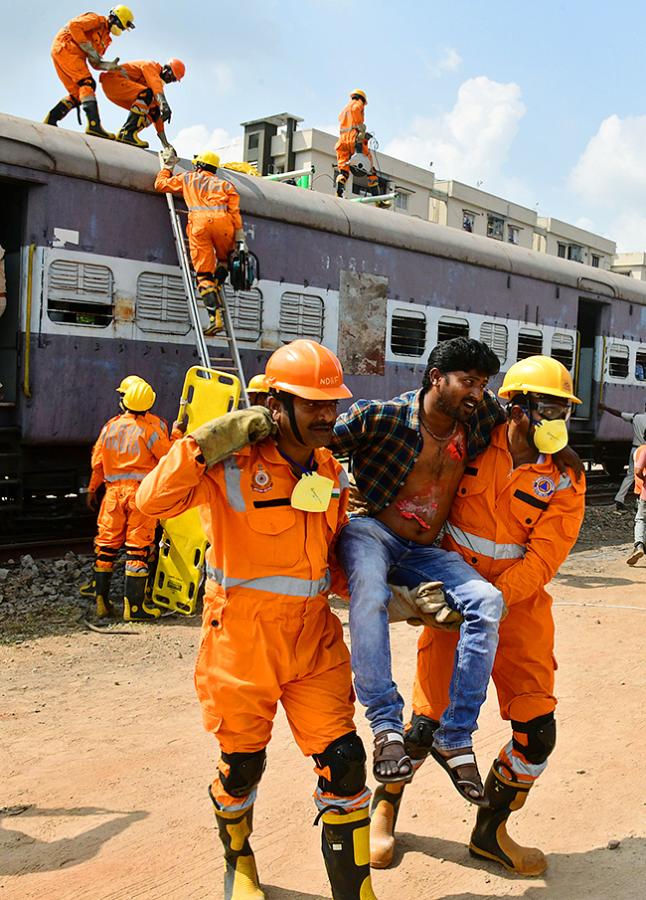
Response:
column 288, row 402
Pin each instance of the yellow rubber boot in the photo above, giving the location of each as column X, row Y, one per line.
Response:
column 386, row 801
column 240, row 873
column 346, row 851
column 490, row 839
column 104, row 609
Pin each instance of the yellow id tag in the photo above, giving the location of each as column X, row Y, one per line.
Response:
column 312, row 493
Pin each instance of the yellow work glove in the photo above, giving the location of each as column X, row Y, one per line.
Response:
column 227, row 434
column 424, row 605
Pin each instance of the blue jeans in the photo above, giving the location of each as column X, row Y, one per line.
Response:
column 372, row 555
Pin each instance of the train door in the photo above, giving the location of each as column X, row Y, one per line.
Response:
column 589, row 329
column 13, row 196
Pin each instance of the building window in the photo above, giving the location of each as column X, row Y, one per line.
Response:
column 563, row 349
column 254, row 140
column 468, row 221
column 450, row 326
column 301, row 316
column 513, row 234
column 161, row 304
column 245, row 309
column 595, row 261
column 408, row 332
column 495, row 227
column 496, row 336
column 640, row 364
column 401, row 202
column 618, row 361
column 575, row 253
column 530, row 343
column 79, row 293
column 561, row 250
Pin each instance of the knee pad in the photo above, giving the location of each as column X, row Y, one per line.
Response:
column 146, row 95
column 418, row 740
column 342, row 766
column 541, row 738
column 105, row 559
column 240, row 773
column 87, row 82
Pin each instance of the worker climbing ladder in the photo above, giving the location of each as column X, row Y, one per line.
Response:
column 224, row 363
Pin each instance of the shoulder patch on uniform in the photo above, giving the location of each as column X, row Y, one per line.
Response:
column 544, row 487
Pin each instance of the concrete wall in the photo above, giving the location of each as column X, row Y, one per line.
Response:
column 552, row 232
column 458, row 200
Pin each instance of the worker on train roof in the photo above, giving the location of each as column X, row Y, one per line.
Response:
column 352, row 139
column 85, row 39
column 139, row 87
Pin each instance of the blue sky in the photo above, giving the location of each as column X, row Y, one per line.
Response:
column 543, row 104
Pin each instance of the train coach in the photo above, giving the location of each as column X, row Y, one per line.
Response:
column 94, row 292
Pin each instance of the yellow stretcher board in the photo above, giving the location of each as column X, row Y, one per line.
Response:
column 207, row 393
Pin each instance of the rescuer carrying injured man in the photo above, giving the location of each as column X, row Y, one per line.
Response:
column 84, row 40
column 352, row 139
column 515, row 517
column 138, row 86
column 128, row 447
column 271, row 512
column 214, row 225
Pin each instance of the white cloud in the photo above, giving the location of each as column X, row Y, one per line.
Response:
column 610, row 177
column 197, row 138
column 448, row 61
column 472, row 141
column 224, row 78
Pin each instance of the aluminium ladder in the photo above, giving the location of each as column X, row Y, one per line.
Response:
column 224, row 363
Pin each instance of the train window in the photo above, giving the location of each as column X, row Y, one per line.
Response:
column 640, row 364
column 408, row 332
column 301, row 316
column 161, row 304
column 618, row 360
column 79, row 293
column 563, row 349
column 496, row 336
column 245, row 309
column 530, row 343
column 450, row 326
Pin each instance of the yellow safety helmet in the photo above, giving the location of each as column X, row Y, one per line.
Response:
column 139, row 397
column 127, row 381
column 359, row 93
column 258, row 385
column 538, row 375
column 208, row 158
column 124, row 19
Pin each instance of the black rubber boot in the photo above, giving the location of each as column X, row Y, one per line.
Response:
column 384, row 810
column 340, row 185
column 346, row 850
column 489, row 839
column 135, row 606
column 94, row 127
column 129, row 134
column 58, row 112
column 240, row 873
column 102, row 579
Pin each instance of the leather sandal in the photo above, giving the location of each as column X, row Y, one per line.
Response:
column 389, row 748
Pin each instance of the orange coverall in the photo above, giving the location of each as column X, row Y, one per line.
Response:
column 70, row 61
column 137, row 89
column 268, row 634
column 516, row 527
column 350, row 116
column 213, row 219
column 128, row 447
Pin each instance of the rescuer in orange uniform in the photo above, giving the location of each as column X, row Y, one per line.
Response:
column 214, row 225
column 271, row 513
column 85, row 39
column 139, row 87
column 128, row 447
column 515, row 518
column 258, row 390
column 352, row 139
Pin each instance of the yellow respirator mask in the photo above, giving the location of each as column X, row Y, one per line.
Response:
column 550, row 435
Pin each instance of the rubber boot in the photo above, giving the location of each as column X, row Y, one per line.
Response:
column 490, row 840
column 240, row 873
column 135, row 606
column 212, row 303
column 340, row 185
column 129, row 134
column 94, row 127
column 386, row 801
column 58, row 112
column 88, row 589
column 102, row 579
column 346, row 850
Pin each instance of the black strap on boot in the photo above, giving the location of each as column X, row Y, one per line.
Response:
column 345, row 841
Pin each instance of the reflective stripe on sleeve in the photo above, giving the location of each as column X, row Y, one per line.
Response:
column 127, row 476
column 152, row 440
column 273, row 584
column 232, row 477
column 344, row 481
column 483, row 546
column 218, row 206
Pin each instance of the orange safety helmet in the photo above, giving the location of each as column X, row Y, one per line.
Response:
column 308, row 370
column 177, row 67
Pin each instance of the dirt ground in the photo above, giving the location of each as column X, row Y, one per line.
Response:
column 105, row 767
